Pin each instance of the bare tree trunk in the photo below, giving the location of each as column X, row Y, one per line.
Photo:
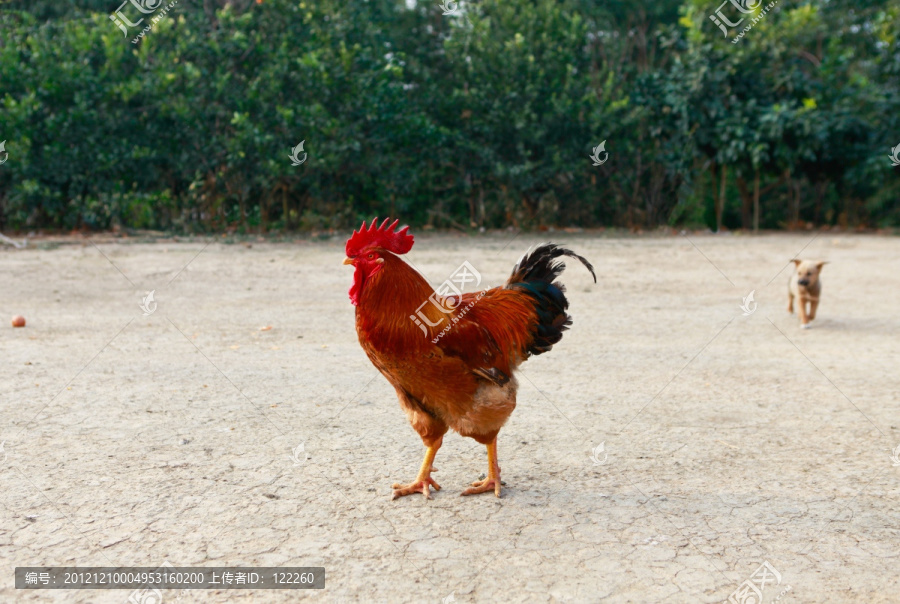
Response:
column 632, row 204
column 481, row 210
column 242, row 203
column 746, row 202
column 793, row 200
column 284, row 207
column 821, row 188
column 720, row 206
column 756, row 202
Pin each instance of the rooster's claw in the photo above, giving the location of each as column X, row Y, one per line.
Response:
column 484, row 486
column 420, row 486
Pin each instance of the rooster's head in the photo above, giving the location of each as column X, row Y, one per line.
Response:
column 367, row 248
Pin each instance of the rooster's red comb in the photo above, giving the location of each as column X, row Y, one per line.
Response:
column 379, row 236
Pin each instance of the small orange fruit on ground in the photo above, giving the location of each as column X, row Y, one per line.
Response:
column 18, row 321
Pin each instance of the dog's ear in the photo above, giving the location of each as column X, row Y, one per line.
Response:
column 820, row 264
column 796, row 261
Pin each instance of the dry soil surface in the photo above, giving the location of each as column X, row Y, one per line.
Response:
column 664, row 451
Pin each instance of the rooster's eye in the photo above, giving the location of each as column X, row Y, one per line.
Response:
column 371, row 256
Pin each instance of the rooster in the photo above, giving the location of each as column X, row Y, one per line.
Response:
column 459, row 373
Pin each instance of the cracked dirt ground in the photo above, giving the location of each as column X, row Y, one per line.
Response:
column 728, row 440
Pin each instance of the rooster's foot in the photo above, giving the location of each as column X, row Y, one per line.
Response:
column 483, row 486
column 419, row 486
column 492, row 482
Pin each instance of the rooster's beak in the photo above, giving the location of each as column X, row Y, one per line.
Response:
column 348, row 260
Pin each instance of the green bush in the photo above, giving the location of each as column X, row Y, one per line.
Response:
column 486, row 118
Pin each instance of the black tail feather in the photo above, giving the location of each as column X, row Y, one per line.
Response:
column 534, row 275
column 540, row 264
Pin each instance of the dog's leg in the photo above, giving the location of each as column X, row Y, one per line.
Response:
column 801, row 310
column 790, row 303
column 813, row 305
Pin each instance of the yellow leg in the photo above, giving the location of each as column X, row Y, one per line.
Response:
column 423, row 480
column 492, row 482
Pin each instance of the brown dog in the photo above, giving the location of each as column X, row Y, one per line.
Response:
column 806, row 287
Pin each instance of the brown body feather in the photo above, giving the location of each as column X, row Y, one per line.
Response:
column 462, row 381
column 459, row 373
